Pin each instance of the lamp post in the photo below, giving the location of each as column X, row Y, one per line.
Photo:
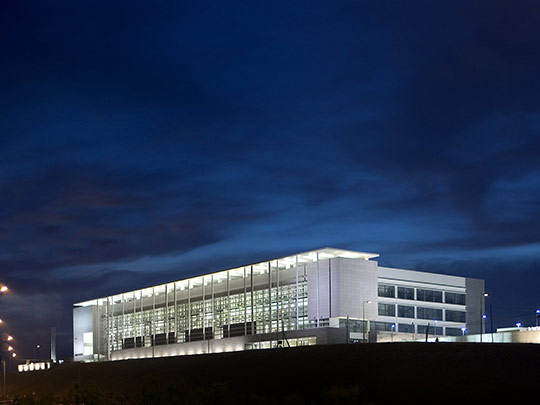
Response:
column 482, row 314
column 364, row 317
column 36, row 347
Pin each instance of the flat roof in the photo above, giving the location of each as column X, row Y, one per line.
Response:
column 310, row 256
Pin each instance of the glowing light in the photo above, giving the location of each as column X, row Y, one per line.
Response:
column 518, row 324
column 3, row 288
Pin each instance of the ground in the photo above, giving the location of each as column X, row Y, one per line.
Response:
column 362, row 373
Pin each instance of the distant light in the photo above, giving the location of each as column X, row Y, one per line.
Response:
column 3, row 288
column 518, row 324
column 10, row 348
column 14, row 355
column 484, row 316
column 9, row 338
column 538, row 311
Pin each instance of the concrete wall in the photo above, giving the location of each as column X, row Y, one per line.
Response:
column 323, row 335
column 340, row 287
column 475, row 305
column 83, row 322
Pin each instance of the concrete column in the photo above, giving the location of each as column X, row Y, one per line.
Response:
column 228, row 303
column 252, row 303
column 175, row 305
column 245, row 303
column 270, row 296
column 318, row 295
column 277, row 298
column 189, row 311
column 296, row 271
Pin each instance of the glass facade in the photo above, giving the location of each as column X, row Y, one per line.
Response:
column 250, row 300
column 201, row 318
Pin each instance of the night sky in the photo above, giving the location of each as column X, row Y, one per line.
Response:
column 145, row 142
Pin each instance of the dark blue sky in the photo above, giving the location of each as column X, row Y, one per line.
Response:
column 144, row 143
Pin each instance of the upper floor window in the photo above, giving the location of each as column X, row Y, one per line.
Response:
column 387, row 309
column 387, row 291
column 455, row 316
column 406, row 293
column 429, row 313
column 429, row 295
column 454, row 298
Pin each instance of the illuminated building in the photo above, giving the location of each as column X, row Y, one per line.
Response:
column 324, row 296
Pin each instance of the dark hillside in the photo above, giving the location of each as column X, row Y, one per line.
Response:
column 372, row 373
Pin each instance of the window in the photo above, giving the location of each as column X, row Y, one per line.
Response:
column 454, row 332
column 428, row 313
column 455, row 316
column 406, row 327
column 384, row 326
column 431, row 330
column 405, row 311
column 405, row 293
column 429, row 295
column 454, row 298
column 387, row 291
column 387, row 309
column 354, row 325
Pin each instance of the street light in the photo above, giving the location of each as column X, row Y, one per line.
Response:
column 482, row 313
column 3, row 288
column 36, row 347
column 364, row 317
